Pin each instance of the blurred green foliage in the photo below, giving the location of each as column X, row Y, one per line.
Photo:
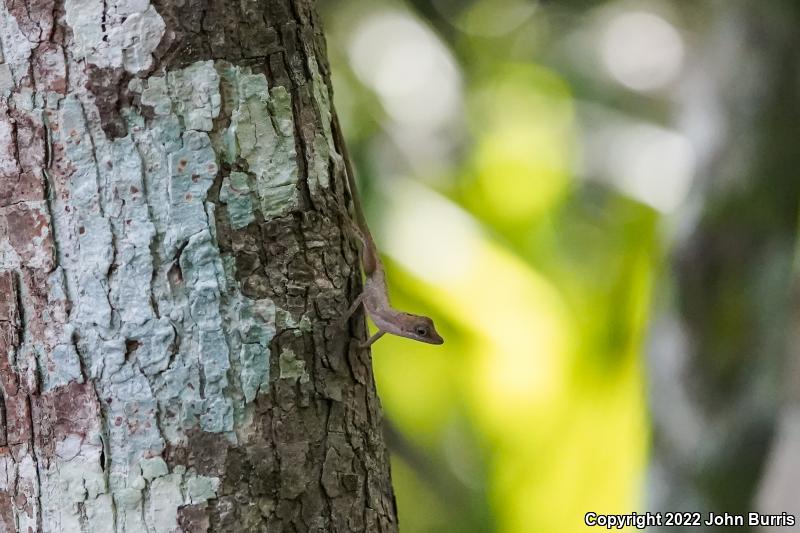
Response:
column 533, row 412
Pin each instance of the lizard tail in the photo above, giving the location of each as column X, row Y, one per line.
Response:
column 370, row 257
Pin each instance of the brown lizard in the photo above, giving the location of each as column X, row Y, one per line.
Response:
column 375, row 296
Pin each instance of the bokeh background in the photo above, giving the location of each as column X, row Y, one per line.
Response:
column 598, row 203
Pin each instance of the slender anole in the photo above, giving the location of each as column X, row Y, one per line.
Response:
column 375, row 296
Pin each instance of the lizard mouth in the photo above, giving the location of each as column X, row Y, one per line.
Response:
column 435, row 339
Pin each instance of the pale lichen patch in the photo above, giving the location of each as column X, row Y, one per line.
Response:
column 192, row 169
column 153, row 467
column 195, row 96
column 252, row 329
column 169, row 492
column 200, row 489
column 202, row 271
column 15, row 48
column 236, row 194
column 261, row 132
column 165, row 498
column 116, row 33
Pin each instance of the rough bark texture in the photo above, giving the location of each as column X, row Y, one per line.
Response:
column 172, row 271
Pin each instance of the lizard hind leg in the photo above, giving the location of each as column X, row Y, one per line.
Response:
column 356, row 304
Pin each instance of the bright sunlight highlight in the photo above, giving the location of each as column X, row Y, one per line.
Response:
column 414, row 75
column 642, row 51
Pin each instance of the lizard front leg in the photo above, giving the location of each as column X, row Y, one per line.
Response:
column 372, row 339
column 358, row 301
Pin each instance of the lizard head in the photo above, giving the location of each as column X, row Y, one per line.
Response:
column 421, row 328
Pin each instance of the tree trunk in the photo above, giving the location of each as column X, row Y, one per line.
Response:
column 172, row 274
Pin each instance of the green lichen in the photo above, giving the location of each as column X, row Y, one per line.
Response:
column 195, row 96
column 202, row 272
column 153, row 467
column 166, row 497
column 253, row 322
column 236, row 194
column 292, row 367
column 124, row 36
column 164, row 329
column 200, row 489
column 261, row 132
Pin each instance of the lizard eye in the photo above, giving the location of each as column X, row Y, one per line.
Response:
column 422, row 331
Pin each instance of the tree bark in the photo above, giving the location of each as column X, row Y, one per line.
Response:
column 172, row 272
